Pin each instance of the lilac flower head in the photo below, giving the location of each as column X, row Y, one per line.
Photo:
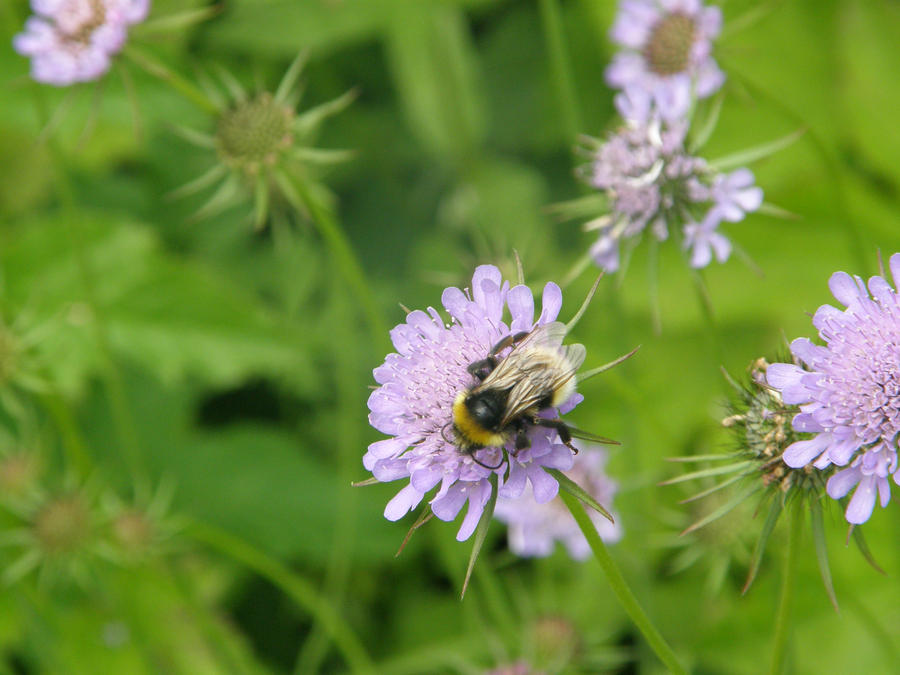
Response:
column 650, row 178
column 849, row 391
column 418, row 385
column 73, row 41
column 666, row 53
column 534, row 527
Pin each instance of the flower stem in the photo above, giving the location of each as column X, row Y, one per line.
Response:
column 112, row 376
column 346, row 260
column 159, row 70
column 619, row 586
column 561, row 67
column 292, row 585
column 783, row 618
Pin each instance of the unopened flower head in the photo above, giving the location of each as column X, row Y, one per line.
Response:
column 73, row 41
column 848, row 391
column 651, row 180
column 264, row 148
column 666, row 52
column 762, row 424
column 415, row 400
column 535, row 528
column 56, row 535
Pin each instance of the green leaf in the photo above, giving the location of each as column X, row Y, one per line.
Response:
column 481, row 532
column 818, row 532
column 771, row 519
column 173, row 316
column 433, row 63
column 574, row 489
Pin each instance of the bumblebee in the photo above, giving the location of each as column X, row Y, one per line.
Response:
column 510, row 392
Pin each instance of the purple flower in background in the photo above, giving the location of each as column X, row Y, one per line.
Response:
column 704, row 239
column 534, row 527
column 650, row 179
column 667, row 52
column 73, row 41
column 414, row 401
column 849, row 391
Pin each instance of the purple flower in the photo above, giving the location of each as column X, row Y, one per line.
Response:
column 703, row 239
column 73, row 41
column 534, row 527
column 650, row 179
column 667, row 47
column 849, row 391
column 735, row 194
column 418, row 385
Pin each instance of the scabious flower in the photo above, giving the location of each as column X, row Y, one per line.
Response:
column 534, row 527
column 73, row 41
column 848, row 391
column 651, row 181
column 413, row 405
column 667, row 52
column 264, row 148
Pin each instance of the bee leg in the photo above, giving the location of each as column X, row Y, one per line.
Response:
column 508, row 341
column 522, row 440
column 560, row 427
column 471, row 453
column 481, row 369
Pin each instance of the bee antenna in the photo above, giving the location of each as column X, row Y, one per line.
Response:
column 584, row 305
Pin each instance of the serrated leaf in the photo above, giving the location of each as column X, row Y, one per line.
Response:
column 172, row 316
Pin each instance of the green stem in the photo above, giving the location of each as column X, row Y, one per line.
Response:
column 111, row 376
column 561, row 67
column 621, row 589
column 348, row 442
column 783, row 618
column 67, row 426
column 295, row 587
column 159, row 70
column 346, row 260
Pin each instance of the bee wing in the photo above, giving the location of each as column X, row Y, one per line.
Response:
column 538, row 364
column 517, row 363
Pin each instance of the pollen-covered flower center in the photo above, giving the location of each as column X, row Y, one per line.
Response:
column 77, row 20
column 878, row 411
column 254, row 132
column 62, row 525
column 668, row 51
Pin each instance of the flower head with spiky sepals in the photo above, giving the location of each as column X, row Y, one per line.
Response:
column 650, row 179
column 666, row 52
column 760, row 419
column 534, row 527
column 264, row 147
column 57, row 534
column 72, row 41
column 418, row 386
column 848, row 391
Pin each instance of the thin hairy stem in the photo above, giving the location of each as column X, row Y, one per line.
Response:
column 620, row 587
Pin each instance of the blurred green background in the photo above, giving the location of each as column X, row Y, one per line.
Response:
column 233, row 365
